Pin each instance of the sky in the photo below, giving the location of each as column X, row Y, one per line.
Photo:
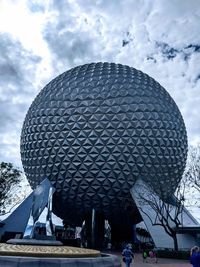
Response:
column 41, row 39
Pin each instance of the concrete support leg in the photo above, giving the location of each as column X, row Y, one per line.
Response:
column 94, row 223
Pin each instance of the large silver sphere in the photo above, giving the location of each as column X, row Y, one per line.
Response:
column 94, row 130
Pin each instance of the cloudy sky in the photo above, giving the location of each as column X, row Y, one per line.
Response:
column 41, row 39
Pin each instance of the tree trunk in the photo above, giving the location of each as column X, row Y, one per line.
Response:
column 175, row 242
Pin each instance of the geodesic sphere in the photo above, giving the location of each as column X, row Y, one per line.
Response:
column 95, row 129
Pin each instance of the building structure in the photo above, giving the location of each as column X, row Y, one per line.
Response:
column 93, row 131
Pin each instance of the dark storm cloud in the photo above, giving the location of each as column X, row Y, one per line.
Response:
column 194, row 47
column 17, row 72
column 170, row 52
column 15, row 63
column 67, row 47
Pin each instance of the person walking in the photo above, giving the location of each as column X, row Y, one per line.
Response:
column 144, row 256
column 127, row 255
column 195, row 257
column 152, row 255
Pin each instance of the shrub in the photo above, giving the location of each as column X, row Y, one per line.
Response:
column 184, row 255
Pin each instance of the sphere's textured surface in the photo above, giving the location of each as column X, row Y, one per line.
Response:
column 95, row 129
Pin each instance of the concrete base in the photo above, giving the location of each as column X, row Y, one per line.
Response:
column 34, row 242
column 54, row 256
column 105, row 260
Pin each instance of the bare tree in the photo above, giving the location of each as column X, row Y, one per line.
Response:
column 167, row 209
column 9, row 177
column 192, row 172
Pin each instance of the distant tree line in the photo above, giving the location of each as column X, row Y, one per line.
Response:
column 192, row 171
column 9, row 177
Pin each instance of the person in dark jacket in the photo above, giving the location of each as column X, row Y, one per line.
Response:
column 127, row 255
column 195, row 257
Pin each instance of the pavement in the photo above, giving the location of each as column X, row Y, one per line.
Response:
column 161, row 262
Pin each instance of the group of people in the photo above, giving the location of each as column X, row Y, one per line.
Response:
column 151, row 254
column 195, row 256
column 128, row 255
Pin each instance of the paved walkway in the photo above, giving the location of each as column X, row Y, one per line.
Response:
column 138, row 262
